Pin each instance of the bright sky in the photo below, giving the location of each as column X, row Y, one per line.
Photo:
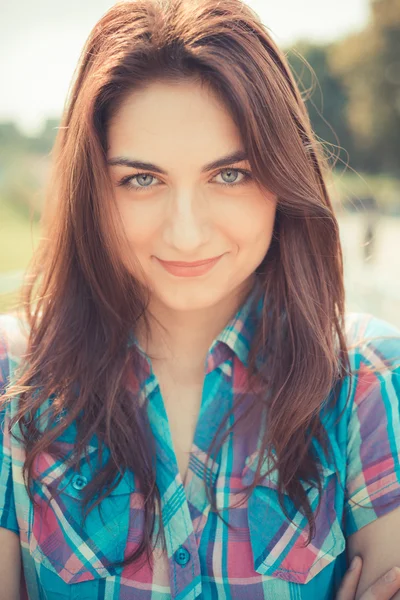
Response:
column 40, row 50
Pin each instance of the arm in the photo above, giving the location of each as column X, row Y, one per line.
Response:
column 383, row 588
column 378, row 544
column 12, row 583
column 372, row 510
column 10, row 565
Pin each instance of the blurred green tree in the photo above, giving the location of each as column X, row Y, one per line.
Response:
column 368, row 64
column 325, row 95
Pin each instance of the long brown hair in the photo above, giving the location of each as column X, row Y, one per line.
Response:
column 82, row 302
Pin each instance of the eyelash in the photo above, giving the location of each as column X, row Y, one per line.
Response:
column 126, row 181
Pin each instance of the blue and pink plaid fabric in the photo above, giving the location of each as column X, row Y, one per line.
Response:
column 264, row 555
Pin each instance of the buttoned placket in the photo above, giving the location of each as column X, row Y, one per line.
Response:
column 181, row 539
column 181, row 546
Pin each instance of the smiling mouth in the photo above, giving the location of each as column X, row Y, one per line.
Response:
column 197, row 263
column 186, row 269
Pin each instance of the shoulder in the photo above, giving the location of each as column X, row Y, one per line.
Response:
column 373, row 379
column 372, row 342
column 14, row 336
column 373, row 383
column 372, row 443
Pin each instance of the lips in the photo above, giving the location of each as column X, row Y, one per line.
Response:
column 193, row 269
column 198, row 263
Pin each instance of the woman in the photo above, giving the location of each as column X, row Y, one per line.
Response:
column 192, row 413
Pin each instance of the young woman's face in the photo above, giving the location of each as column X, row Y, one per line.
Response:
column 181, row 208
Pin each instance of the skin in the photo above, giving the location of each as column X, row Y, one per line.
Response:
column 189, row 217
column 383, row 588
column 13, row 584
column 379, row 547
column 187, row 214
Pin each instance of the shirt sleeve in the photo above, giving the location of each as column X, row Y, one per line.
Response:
column 8, row 518
column 373, row 448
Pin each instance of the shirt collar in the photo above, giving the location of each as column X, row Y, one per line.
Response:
column 236, row 336
column 238, row 333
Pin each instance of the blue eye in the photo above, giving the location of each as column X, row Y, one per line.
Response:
column 146, row 177
column 128, row 181
column 246, row 176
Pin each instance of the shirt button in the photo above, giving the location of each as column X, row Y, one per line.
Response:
column 79, row 482
column 182, row 556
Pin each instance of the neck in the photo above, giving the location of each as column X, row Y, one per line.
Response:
column 180, row 340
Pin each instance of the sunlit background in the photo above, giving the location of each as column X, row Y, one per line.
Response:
column 345, row 56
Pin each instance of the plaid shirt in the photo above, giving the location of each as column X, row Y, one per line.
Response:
column 264, row 556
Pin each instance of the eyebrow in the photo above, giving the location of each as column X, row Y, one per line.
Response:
column 123, row 161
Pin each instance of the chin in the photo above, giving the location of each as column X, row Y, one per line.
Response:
column 186, row 300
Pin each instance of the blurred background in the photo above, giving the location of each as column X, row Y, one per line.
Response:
column 345, row 56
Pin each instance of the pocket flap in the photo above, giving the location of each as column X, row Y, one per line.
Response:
column 57, row 474
column 279, row 545
column 79, row 550
column 269, row 474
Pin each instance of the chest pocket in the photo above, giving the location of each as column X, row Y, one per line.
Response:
column 278, row 546
column 65, row 550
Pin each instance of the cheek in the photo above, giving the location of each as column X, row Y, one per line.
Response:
column 139, row 223
column 251, row 222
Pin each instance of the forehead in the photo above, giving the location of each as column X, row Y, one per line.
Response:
column 168, row 121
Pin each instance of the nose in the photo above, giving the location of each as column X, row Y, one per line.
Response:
column 188, row 224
